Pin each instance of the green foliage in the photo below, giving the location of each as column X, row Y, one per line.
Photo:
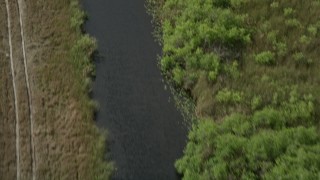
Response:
column 281, row 49
column 313, row 30
column 293, row 23
column 268, row 116
column 256, row 102
column 297, row 163
column 266, row 58
column 274, row 5
column 299, row 57
column 232, row 70
column 190, row 40
column 78, row 15
column 229, row 96
column 178, row 75
column 241, row 148
column 80, row 54
column 305, row 40
column 288, row 12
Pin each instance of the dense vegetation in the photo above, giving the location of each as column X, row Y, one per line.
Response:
column 81, row 59
column 68, row 145
column 252, row 69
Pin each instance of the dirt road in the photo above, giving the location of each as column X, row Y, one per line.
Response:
column 46, row 117
column 22, row 92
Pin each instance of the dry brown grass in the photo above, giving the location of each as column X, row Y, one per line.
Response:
column 21, row 96
column 7, row 124
column 67, row 143
column 66, row 138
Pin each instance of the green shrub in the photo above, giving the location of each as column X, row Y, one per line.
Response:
column 313, row 30
column 281, row 49
column 229, row 96
column 288, row 12
column 305, row 40
column 201, row 35
column 236, row 150
column 268, row 118
column 266, row 58
column 167, row 63
column 293, row 23
column 270, row 131
column 256, row 102
column 178, row 75
column 299, row 57
column 81, row 54
column 272, row 37
column 77, row 18
column 274, row 5
column 232, row 70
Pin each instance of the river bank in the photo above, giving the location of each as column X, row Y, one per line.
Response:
column 63, row 142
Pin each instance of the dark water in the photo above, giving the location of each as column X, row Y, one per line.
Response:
column 146, row 134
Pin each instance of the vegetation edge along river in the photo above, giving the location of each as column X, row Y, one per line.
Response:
column 67, row 144
column 251, row 67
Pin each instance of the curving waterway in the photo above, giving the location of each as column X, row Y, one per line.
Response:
column 146, row 131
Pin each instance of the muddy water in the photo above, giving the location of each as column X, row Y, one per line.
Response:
column 146, row 134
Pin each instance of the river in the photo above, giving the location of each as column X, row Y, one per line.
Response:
column 146, row 131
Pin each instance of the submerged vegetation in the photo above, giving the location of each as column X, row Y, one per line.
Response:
column 251, row 67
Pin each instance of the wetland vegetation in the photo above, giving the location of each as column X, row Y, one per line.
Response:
column 251, row 67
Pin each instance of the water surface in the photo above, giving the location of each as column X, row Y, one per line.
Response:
column 146, row 134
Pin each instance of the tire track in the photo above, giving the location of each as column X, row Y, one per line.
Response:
column 28, row 92
column 26, row 75
column 15, row 92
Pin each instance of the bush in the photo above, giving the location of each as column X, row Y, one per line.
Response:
column 266, row 58
column 178, row 76
column 232, row 70
column 268, row 118
column 293, row 23
column 274, row 5
column 313, row 30
column 77, row 18
column 281, row 48
column 256, row 102
column 288, row 12
column 237, row 150
column 300, row 58
column 229, row 96
column 201, row 35
column 305, row 40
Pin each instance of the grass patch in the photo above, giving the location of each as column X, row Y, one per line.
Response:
column 81, row 59
column 68, row 144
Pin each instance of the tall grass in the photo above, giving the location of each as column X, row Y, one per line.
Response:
column 81, row 55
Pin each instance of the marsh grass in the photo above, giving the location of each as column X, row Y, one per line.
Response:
column 68, row 144
column 7, row 111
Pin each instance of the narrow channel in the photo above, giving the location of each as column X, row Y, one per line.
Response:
column 146, row 131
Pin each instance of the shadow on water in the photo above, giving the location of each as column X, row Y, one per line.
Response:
column 146, row 131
